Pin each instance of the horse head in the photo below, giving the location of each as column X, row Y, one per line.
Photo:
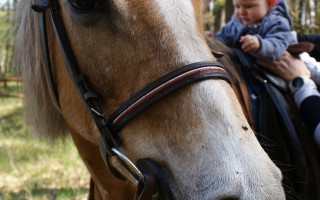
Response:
column 197, row 135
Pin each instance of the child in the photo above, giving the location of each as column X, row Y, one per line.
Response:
column 262, row 28
column 259, row 27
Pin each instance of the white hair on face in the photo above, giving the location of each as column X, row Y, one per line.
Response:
column 180, row 18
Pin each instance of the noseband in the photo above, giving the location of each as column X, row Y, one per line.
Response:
column 151, row 182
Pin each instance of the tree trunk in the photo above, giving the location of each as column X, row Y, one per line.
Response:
column 228, row 10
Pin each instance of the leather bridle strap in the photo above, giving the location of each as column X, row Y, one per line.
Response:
column 138, row 102
column 164, row 86
column 89, row 97
column 146, row 190
column 47, row 69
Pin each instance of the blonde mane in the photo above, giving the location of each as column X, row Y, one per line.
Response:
column 40, row 113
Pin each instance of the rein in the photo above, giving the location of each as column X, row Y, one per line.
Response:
column 150, row 179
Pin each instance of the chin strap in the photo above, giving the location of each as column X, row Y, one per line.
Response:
column 147, row 190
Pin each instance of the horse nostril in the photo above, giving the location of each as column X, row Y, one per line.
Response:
column 230, row 198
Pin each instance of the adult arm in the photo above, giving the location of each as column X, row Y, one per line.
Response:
column 313, row 38
column 307, row 98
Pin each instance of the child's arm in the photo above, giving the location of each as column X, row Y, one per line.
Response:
column 276, row 38
column 230, row 33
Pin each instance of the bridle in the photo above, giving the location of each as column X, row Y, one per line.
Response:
column 151, row 182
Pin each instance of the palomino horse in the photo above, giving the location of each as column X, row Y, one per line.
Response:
column 194, row 143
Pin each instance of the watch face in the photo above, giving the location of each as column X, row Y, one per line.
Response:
column 297, row 82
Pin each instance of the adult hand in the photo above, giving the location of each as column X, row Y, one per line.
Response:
column 287, row 67
column 250, row 43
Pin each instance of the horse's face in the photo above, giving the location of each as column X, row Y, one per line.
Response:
column 198, row 135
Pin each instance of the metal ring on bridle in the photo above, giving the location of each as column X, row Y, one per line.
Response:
column 134, row 171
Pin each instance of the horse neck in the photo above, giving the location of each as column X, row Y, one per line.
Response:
column 234, row 70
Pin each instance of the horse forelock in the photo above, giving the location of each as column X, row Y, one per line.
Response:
column 40, row 113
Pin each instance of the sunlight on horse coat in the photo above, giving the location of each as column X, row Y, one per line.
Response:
column 198, row 135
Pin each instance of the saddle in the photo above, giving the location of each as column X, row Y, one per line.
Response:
column 280, row 129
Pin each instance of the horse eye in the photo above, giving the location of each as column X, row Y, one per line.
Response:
column 83, row 4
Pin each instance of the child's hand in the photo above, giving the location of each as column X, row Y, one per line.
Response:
column 250, row 43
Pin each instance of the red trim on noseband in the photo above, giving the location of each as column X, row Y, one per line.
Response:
column 163, row 87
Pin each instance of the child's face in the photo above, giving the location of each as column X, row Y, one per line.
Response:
column 250, row 11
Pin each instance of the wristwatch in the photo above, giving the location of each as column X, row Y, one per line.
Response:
column 297, row 83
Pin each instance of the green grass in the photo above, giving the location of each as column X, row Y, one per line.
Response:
column 34, row 168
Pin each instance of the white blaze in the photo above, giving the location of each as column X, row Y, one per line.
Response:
column 180, row 19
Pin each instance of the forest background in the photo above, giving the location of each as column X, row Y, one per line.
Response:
column 34, row 168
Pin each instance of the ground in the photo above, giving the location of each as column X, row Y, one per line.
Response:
column 32, row 167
